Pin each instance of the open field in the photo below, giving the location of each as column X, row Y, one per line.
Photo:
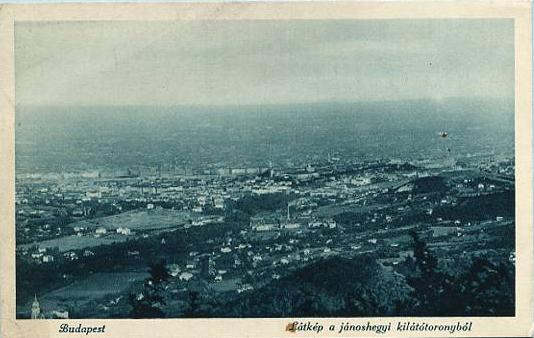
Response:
column 225, row 285
column 332, row 210
column 137, row 220
column 68, row 243
column 89, row 289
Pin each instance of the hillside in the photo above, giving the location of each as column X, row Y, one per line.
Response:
column 366, row 289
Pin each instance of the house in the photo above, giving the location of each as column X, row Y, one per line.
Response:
column 88, row 253
column 264, row 227
column 100, row 231
column 58, row 314
column 219, row 203
column 245, row 287
column 71, row 255
column 185, row 276
column 174, row 270
column 37, row 255
column 123, row 231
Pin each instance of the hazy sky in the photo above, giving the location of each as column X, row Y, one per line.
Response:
column 261, row 62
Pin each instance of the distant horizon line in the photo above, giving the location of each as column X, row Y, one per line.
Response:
column 426, row 99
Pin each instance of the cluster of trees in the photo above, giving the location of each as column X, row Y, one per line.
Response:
column 361, row 287
column 484, row 289
column 253, row 204
column 481, row 207
column 429, row 185
column 328, row 288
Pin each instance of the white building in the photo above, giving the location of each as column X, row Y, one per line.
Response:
column 101, row 231
column 185, row 276
column 124, row 231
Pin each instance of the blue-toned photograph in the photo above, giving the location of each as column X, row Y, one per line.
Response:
column 265, row 168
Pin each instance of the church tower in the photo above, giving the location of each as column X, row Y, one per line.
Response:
column 36, row 309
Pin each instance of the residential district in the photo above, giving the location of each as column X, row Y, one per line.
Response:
column 84, row 240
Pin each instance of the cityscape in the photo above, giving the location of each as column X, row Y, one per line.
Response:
column 336, row 208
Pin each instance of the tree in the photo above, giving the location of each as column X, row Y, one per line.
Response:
column 426, row 262
column 148, row 303
column 488, row 289
column 158, row 273
column 484, row 289
column 427, row 281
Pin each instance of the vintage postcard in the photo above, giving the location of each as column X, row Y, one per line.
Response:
column 351, row 169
